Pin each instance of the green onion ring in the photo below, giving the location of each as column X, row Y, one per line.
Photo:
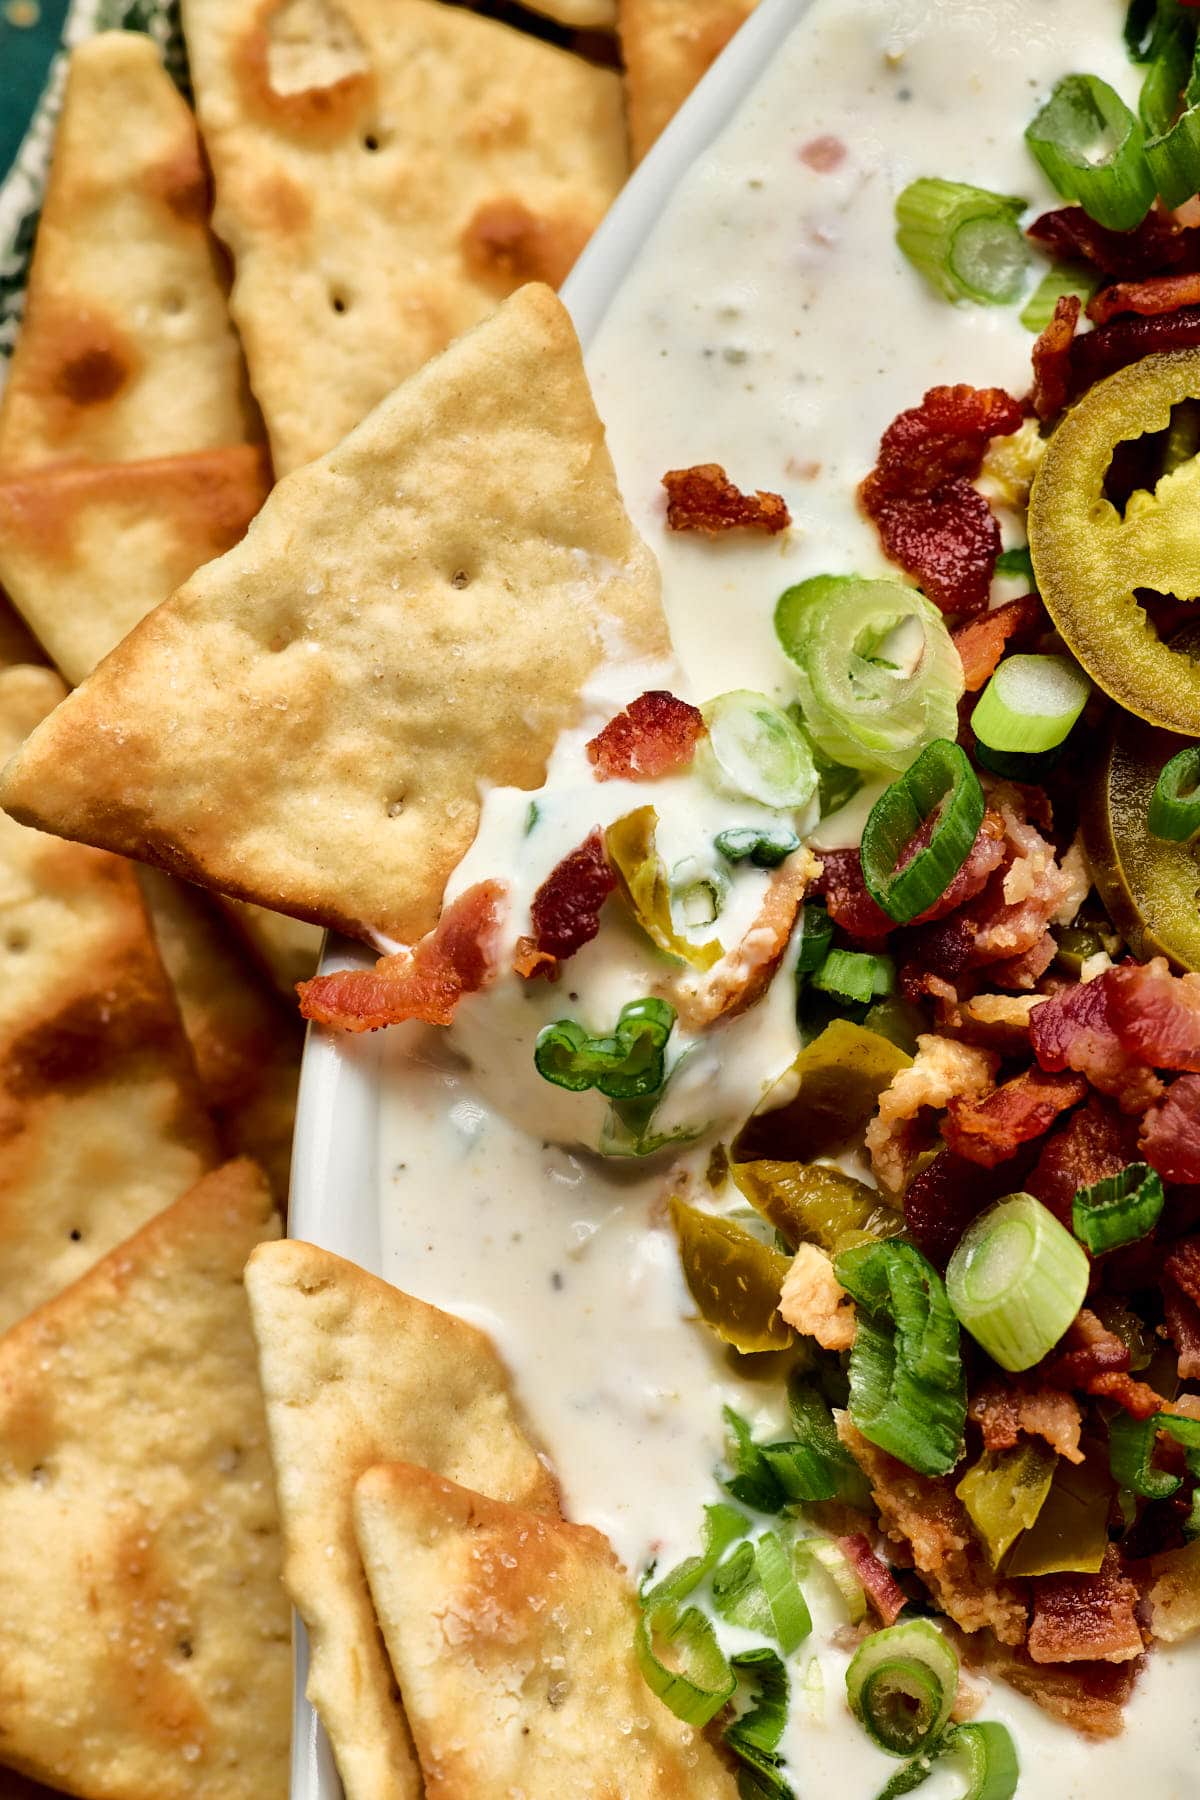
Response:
column 1016, row 1280
column 964, row 240
column 1174, row 811
column 901, row 1684
column 1092, row 149
column 940, row 785
column 1118, row 1210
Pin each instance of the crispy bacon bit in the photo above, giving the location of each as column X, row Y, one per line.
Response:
column 1137, row 1397
column 530, row 963
column 1089, row 1696
column 1183, row 1323
column 925, row 1514
column 879, row 1584
column 1183, row 1267
column 993, row 1021
column 850, row 906
column 1170, row 1136
column 982, row 642
column 1086, row 1618
column 1093, row 1144
column 1075, row 1030
column 1023, row 972
column 655, row 735
column 743, row 975
column 1174, row 1595
column 426, row 982
column 919, row 495
column 1087, row 1350
column 1052, row 372
column 823, row 154
column 1156, row 1014
column 815, row 1302
column 1002, row 1412
column 565, row 913
column 941, row 1072
column 990, row 1130
column 1154, row 248
column 704, row 499
column 942, row 1199
column 1161, row 294
column 1126, row 340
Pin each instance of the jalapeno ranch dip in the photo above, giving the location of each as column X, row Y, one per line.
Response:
column 545, row 1160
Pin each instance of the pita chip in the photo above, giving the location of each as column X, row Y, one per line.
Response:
column 127, row 350
column 144, row 1637
column 511, row 1636
column 101, row 1116
column 668, row 45
column 306, row 724
column 385, row 171
column 286, row 950
column 355, row 1372
column 578, row 15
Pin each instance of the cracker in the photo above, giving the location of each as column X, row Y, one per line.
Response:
column 668, row 45
column 127, row 350
column 385, row 171
column 86, row 552
column 101, row 1116
column 355, row 1372
column 307, row 722
column 144, row 1636
column 511, row 1636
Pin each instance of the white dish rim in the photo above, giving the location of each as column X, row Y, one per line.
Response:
column 334, row 1187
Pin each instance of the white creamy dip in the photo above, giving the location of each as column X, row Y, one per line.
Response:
column 770, row 325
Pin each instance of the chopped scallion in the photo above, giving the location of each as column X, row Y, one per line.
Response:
column 1063, row 278
column 901, row 1684
column 766, row 848
column 1131, row 1445
column 940, row 786
column 1092, row 149
column 754, row 1735
column 626, row 1066
column 1118, row 1210
column 964, row 240
column 753, row 748
column 1174, row 812
column 1030, row 704
column 1016, row 1280
column 816, row 934
column 1016, row 562
column 855, row 976
column 682, row 1662
column 992, row 1770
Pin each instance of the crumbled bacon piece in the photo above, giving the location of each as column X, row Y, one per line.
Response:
column 1160, row 294
column 1086, row 1350
column 990, row 1130
column 1154, row 247
column 530, row 963
column 704, row 499
column 1004, row 1411
column 982, row 642
column 942, row 1071
column 1156, row 1014
column 565, row 912
column 1183, row 1323
column 745, row 972
column 1085, row 1618
column 426, row 982
column 993, row 1021
column 1126, row 340
column 1093, row 1144
column 879, row 1584
column 1137, row 1397
column 656, row 735
column 942, row 1198
column 1074, row 1029
column 919, row 495
column 1182, row 1265
column 1170, row 1135
column 1089, row 1696
column 1052, row 359
column 1023, row 972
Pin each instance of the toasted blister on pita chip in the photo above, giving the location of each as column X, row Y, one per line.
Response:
column 511, row 1636
column 308, row 722
column 385, row 171
column 127, row 350
column 88, row 551
column 355, row 1372
column 668, row 45
column 245, row 1039
column 101, row 1115
column 144, row 1636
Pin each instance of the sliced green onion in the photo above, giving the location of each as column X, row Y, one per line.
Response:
column 910, row 1776
column 1169, row 64
column 754, row 749
column 1173, row 146
column 1131, row 1445
column 1030, row 704
column 757, row 1589
column 766, row 849
column 1174, row 811
column 940, row 785
column 813, row 1465
column 1063, row 278
column 1016, row 1280
column 754, row 1736
column 697, row 894
column 836, row 784
column 826, row 1555
column 901, row 1685
column 753, row 1481
column 682, row 1662
column 737, row 1593
column 1174, row 159
column 992, row 1769
column 723, row 1526
column 1016, row 562
column 907, row 1391
column 853, row 975
column 1118, row 1210
column 1032, row 770
column 638, row 1127
column 877, row 672
column 1092, row 149
column 629, row 1064
column 964, row 240
column 816, row 935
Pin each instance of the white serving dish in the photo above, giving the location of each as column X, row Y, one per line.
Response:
column 334, row 1198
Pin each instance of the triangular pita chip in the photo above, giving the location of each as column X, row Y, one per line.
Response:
column 144, row 1635
column 385, row 171
column 126, row 350
column 355, row 1372
column 287, row 950
column 668, row 45
column 86, row 552
column 580, row 15
column 307, row 722
column 511, row 1636
column 101, row 1114
column 245, row 1040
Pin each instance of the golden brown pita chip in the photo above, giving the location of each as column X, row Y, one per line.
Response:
column 385, row 171
column 144, row 1636
column 17, row 643
column 668, row 45
column 86, row 552
column 307, row 722
column 580, row 15
column 101, row 1117
column 511, row 1636
column 286, row 950
column 126, row 350
column 245, row 1040
column 355, row 1372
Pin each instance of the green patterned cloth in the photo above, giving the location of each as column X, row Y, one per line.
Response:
column 34, row 35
